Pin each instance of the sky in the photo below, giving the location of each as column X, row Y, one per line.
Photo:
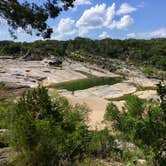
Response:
column 99, row 19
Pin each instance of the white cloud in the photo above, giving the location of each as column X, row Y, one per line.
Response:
column 124, row 23
column 153, row 34
column 101, row 16
column 158, row 33
column 131, row 35
column 82, row 2
column 66, row 27
column 20, row 30
column 82, row 31
column 96, row 17
column 78, row 3
column 92, row 18
column 104, row 35
column 110, row 13
column 2, row 20
column 125, row 8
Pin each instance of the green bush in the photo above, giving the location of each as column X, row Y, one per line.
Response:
column 2, row 86
column 162, row 63
column 5, row 108
column 149, row 71
column 142, row 123
column 126, row 121
column 101, row 143
column 46, row 132
column 49, row 133
column 3, row 115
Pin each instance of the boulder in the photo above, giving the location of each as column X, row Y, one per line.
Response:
column 141, row 162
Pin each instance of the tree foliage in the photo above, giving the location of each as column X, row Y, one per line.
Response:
column 31, row 15
column 49, row 133
column 141, row 52
column 143, row 123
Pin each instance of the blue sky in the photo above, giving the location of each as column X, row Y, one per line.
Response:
column 98, row 19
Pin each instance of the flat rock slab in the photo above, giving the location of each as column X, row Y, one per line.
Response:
column 31, row 73
column 106, row 91
column 148, row 95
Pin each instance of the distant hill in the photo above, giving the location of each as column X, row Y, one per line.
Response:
column 147, row 52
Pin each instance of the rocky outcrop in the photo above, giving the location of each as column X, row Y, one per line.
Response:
column 5, row 155
column 148, row 95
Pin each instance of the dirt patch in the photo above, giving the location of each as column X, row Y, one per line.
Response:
column 11, row 94
column 97, row 106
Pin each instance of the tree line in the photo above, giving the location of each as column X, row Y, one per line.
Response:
column 147, row 52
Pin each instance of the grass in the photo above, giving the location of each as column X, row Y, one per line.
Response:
column 7, row 98
column 5, row 107
column 141, row 88
column 151, row 71
column 120, row 98
column 86, row 83
column 2, row 86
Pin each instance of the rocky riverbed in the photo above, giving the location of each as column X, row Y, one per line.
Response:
column 30, row 73
column 20, row 73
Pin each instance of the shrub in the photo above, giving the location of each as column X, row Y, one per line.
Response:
column 142, row 123
column 149, row 70
column 126, row 121
column 46, row 132
column 49, row 133
column 101, row 143
column 2, row 86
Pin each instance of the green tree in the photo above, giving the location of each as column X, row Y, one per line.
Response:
column 47, row 132
column 29, row 15
column 142, row 123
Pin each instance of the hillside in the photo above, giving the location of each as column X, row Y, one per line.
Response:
column 141, row 52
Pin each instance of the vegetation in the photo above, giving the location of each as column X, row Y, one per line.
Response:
column 141, row 88
column 33, row 16
column 52, row 132
column 45, row 132
column 86, row 83
column 141, row 52
column 152, row 72
column 1, row 86
column 143, row 123
column 120, row 98
column 149, row 71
